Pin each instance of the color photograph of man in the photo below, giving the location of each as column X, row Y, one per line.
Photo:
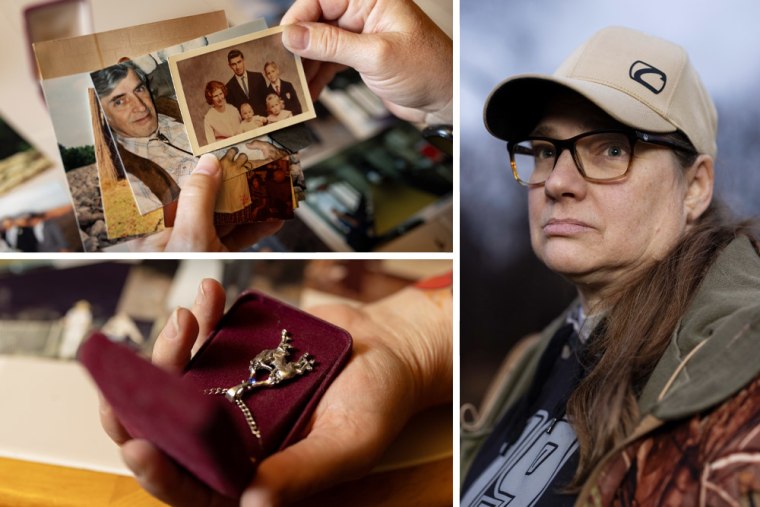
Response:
column 154, row 148
column 245, row 85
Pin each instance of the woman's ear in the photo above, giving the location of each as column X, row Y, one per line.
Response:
column 700, row 179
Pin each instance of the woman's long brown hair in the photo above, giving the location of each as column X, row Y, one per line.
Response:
column 634, row 335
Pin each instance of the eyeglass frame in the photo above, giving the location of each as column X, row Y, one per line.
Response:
column 561, row 145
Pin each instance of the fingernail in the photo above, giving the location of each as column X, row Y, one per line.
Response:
column 172, row 326
column 295, row 37
column 257, row 496
column 208, row 164
column 201, row 296
column 132, row 462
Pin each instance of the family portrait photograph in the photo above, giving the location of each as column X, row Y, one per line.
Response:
column 239, row 89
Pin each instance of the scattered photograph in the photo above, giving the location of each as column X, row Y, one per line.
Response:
column 19, row 160
column 41, row 230
column 33, row 215
column 142, row 115
column 239, row 89
column 262, row 194
column 122, row 218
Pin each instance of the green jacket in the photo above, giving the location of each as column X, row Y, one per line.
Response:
column 713, row 355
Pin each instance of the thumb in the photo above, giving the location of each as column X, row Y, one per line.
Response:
column 194, row 225
column 328, row 43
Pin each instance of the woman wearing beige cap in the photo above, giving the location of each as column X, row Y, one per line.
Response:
column 646, row 390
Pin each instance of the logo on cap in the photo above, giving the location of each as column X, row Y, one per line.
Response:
column 651, row 77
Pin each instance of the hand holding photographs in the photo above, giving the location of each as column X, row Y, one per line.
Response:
column 150, row 127
column 138, row 132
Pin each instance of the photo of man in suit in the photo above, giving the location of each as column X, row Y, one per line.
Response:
column 281, row 88
column 245, row 86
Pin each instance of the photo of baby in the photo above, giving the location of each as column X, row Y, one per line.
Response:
column 276, row 109
column 250, row 121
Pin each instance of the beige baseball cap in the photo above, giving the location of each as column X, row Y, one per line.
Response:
column 642, row 81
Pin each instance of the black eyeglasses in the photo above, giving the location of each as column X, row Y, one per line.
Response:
column 599, row 155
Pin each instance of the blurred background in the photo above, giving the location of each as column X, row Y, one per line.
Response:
column 47, row 308
column 506, row 293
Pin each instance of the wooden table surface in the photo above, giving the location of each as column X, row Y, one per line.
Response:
column 27, row 484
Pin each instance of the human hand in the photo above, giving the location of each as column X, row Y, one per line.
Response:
column 401, row 55
column 401, row 363
column 267, row 149
column 183, row 334
column 194, row 229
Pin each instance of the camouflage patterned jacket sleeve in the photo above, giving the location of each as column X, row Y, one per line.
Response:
column 711, row 459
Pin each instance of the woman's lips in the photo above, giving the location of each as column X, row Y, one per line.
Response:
column 565, row 227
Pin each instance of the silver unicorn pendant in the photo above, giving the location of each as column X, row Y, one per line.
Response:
column 276, row 367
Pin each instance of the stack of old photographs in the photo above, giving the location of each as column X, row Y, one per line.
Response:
column 133, row 109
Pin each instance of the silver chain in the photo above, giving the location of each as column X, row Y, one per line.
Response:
column 249, row 419
column 243, row 408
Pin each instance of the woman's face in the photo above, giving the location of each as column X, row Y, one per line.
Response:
column 596, row 233
column 217, row 98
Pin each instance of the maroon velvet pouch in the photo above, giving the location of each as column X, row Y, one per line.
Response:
column 205, row 433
